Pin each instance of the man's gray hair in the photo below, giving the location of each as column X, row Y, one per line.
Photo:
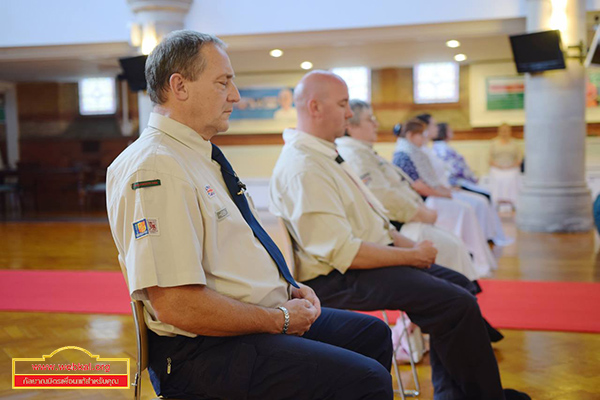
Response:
column 357, row 107
column 178, row 52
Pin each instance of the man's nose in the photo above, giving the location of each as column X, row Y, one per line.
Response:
column 234, row 95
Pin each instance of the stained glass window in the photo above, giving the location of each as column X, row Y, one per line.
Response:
column 97, row 96
column 435, row 83
column 358, row 80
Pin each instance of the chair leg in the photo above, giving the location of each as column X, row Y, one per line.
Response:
column 401, row 391
column 137, row 386
column 413, row 366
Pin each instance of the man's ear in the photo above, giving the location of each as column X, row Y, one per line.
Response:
column 314, row 107
column 178, row 87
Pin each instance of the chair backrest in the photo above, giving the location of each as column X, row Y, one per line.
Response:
column 141, row 332
column 291, row 247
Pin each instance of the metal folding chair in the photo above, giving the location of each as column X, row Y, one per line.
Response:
column 413, row 366
column 291, row 248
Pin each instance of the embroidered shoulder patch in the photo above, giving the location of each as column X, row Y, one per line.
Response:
column 140, row 228
column 145, row 184
column 153, row 226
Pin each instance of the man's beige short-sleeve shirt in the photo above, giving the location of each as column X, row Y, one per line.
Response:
column 325, row 211
column 382, row 178
column 174, row 223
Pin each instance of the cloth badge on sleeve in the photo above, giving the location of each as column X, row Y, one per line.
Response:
column 153, row 226
column 145, row 184
column 209, row 191
column 140, row 228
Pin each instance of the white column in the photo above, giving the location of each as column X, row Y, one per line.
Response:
column 154, row 19
column 145, row 107
column 555, row 196
column 12, row 123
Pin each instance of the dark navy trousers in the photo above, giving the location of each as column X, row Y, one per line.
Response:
column 343, row 356
column 441, row 302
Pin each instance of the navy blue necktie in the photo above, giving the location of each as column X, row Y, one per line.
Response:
column 236, row 189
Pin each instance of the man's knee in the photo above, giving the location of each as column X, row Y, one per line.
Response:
column 371, row 381
column 381, row 336
column 465, row 303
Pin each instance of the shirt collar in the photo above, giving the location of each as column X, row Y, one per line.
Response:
column 182, row 133
column 352, row 142
column 303, row 139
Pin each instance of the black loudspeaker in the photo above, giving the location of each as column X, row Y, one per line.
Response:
column 134, row 72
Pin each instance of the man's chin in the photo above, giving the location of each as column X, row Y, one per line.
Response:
column 224, row 126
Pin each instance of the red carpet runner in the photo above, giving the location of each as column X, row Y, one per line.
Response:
column 552, row 306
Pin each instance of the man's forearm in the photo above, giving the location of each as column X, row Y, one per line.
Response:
column 372, row 255
column 402, row 241
column 425, row 215
column 200, row 310
column 425, row 190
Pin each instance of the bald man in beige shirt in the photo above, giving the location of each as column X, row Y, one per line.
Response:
column 352, row 258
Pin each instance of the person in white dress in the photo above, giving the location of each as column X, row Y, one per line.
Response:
column 454, row 215
column 485, row 210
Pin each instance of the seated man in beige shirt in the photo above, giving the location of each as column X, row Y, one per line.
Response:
column 226, row 319
column 349, row 254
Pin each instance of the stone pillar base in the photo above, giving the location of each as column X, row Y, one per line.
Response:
column 544, row 209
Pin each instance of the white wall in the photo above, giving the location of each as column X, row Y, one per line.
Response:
column 239, row 17
column 60, row 22
column 480, row 116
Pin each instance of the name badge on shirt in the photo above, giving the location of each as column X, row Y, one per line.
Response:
column 222, row 214
column 366, row 178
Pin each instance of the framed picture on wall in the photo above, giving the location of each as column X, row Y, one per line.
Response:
column 505, row 93
column 263, row 110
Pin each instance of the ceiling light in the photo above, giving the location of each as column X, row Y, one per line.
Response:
column 460, row 57
column 453, row 43
column 276, row 53
column 306, row 65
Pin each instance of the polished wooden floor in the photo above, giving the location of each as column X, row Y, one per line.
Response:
column 548, row 365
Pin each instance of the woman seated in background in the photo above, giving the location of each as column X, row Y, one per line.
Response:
column 405, row 208
column 486, row 212
column 459, row 172
column 454, row 215
column 505, row 162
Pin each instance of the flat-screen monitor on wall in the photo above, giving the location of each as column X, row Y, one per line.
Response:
column 537, row 52
column 134, row 71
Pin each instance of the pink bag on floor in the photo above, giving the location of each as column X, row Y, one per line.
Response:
column 400, row 341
